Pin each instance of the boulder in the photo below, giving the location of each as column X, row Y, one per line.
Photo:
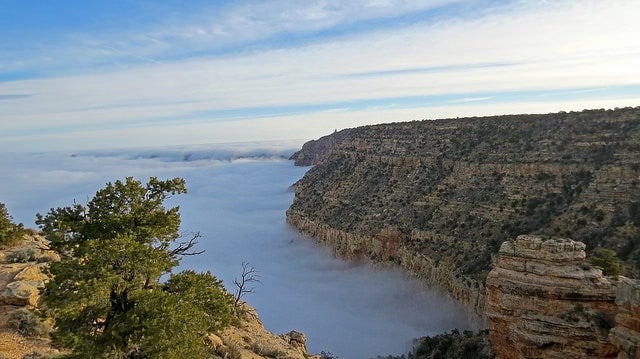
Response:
column 296, row 339
column 213, row 341
column 22, row 293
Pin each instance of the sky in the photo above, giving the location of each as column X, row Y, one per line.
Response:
column 108, row 74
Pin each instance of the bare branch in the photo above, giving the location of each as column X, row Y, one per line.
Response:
column 249, row 275
column 183, row 247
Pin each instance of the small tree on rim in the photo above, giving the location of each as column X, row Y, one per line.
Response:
column 9, row 231
column 106, row 296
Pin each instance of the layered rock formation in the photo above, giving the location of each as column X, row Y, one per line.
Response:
column 453, row 190
column 544, row 301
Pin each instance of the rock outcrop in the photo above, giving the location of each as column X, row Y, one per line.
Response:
column 544, row 301
column 22, row 293
column 21, row 278
column 20, row 283
column 248, row 339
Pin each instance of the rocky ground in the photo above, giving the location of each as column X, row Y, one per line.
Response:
column 19, row 284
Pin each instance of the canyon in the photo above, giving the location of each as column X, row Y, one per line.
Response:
column 444, row 200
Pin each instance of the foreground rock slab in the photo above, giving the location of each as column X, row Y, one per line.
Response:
column 544, row 301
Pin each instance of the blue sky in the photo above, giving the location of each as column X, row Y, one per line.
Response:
column 99, row 74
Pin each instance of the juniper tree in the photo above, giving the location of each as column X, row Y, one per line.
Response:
column 9, row 231
column 107, row 296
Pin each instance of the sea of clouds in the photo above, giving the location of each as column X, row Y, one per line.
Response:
column 237, row 198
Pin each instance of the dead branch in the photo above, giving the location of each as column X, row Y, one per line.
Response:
column 183, row 247
column 249, row 275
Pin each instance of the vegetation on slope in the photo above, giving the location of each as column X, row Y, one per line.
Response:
column 454, row 345
column 106, row 295
column 455, row 189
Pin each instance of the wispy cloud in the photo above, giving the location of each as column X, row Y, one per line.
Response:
column 13, row 96
column 215, row 28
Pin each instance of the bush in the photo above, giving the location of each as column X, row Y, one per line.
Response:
column 37, row 355
column 10, row 233
column 328, row 355
column 267, row 350
column 454, row 345
column 23, row 256
column 230, row 352
column 28, row 324
column 607, row 260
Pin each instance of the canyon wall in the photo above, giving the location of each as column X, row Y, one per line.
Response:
column 386, row 248
column 440, row 197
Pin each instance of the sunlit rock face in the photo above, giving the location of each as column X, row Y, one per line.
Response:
column 544, row 302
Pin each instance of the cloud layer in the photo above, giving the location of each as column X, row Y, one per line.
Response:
column 218, row 73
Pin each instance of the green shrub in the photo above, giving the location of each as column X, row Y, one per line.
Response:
column 37, row 355
column 10, row 233
column 266, row 350
column 230, row 352
column 454, row 345
column 28, row 324
column 23, row 256
column 607, row 260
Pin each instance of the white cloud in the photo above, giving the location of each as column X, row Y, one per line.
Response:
column 545, row 46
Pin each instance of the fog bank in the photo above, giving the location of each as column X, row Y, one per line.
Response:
column 237, row 199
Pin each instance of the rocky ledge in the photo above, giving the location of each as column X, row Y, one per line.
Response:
column 544, row 301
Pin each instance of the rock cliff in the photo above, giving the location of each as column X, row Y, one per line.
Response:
column 543, row 301
column 439, row 197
